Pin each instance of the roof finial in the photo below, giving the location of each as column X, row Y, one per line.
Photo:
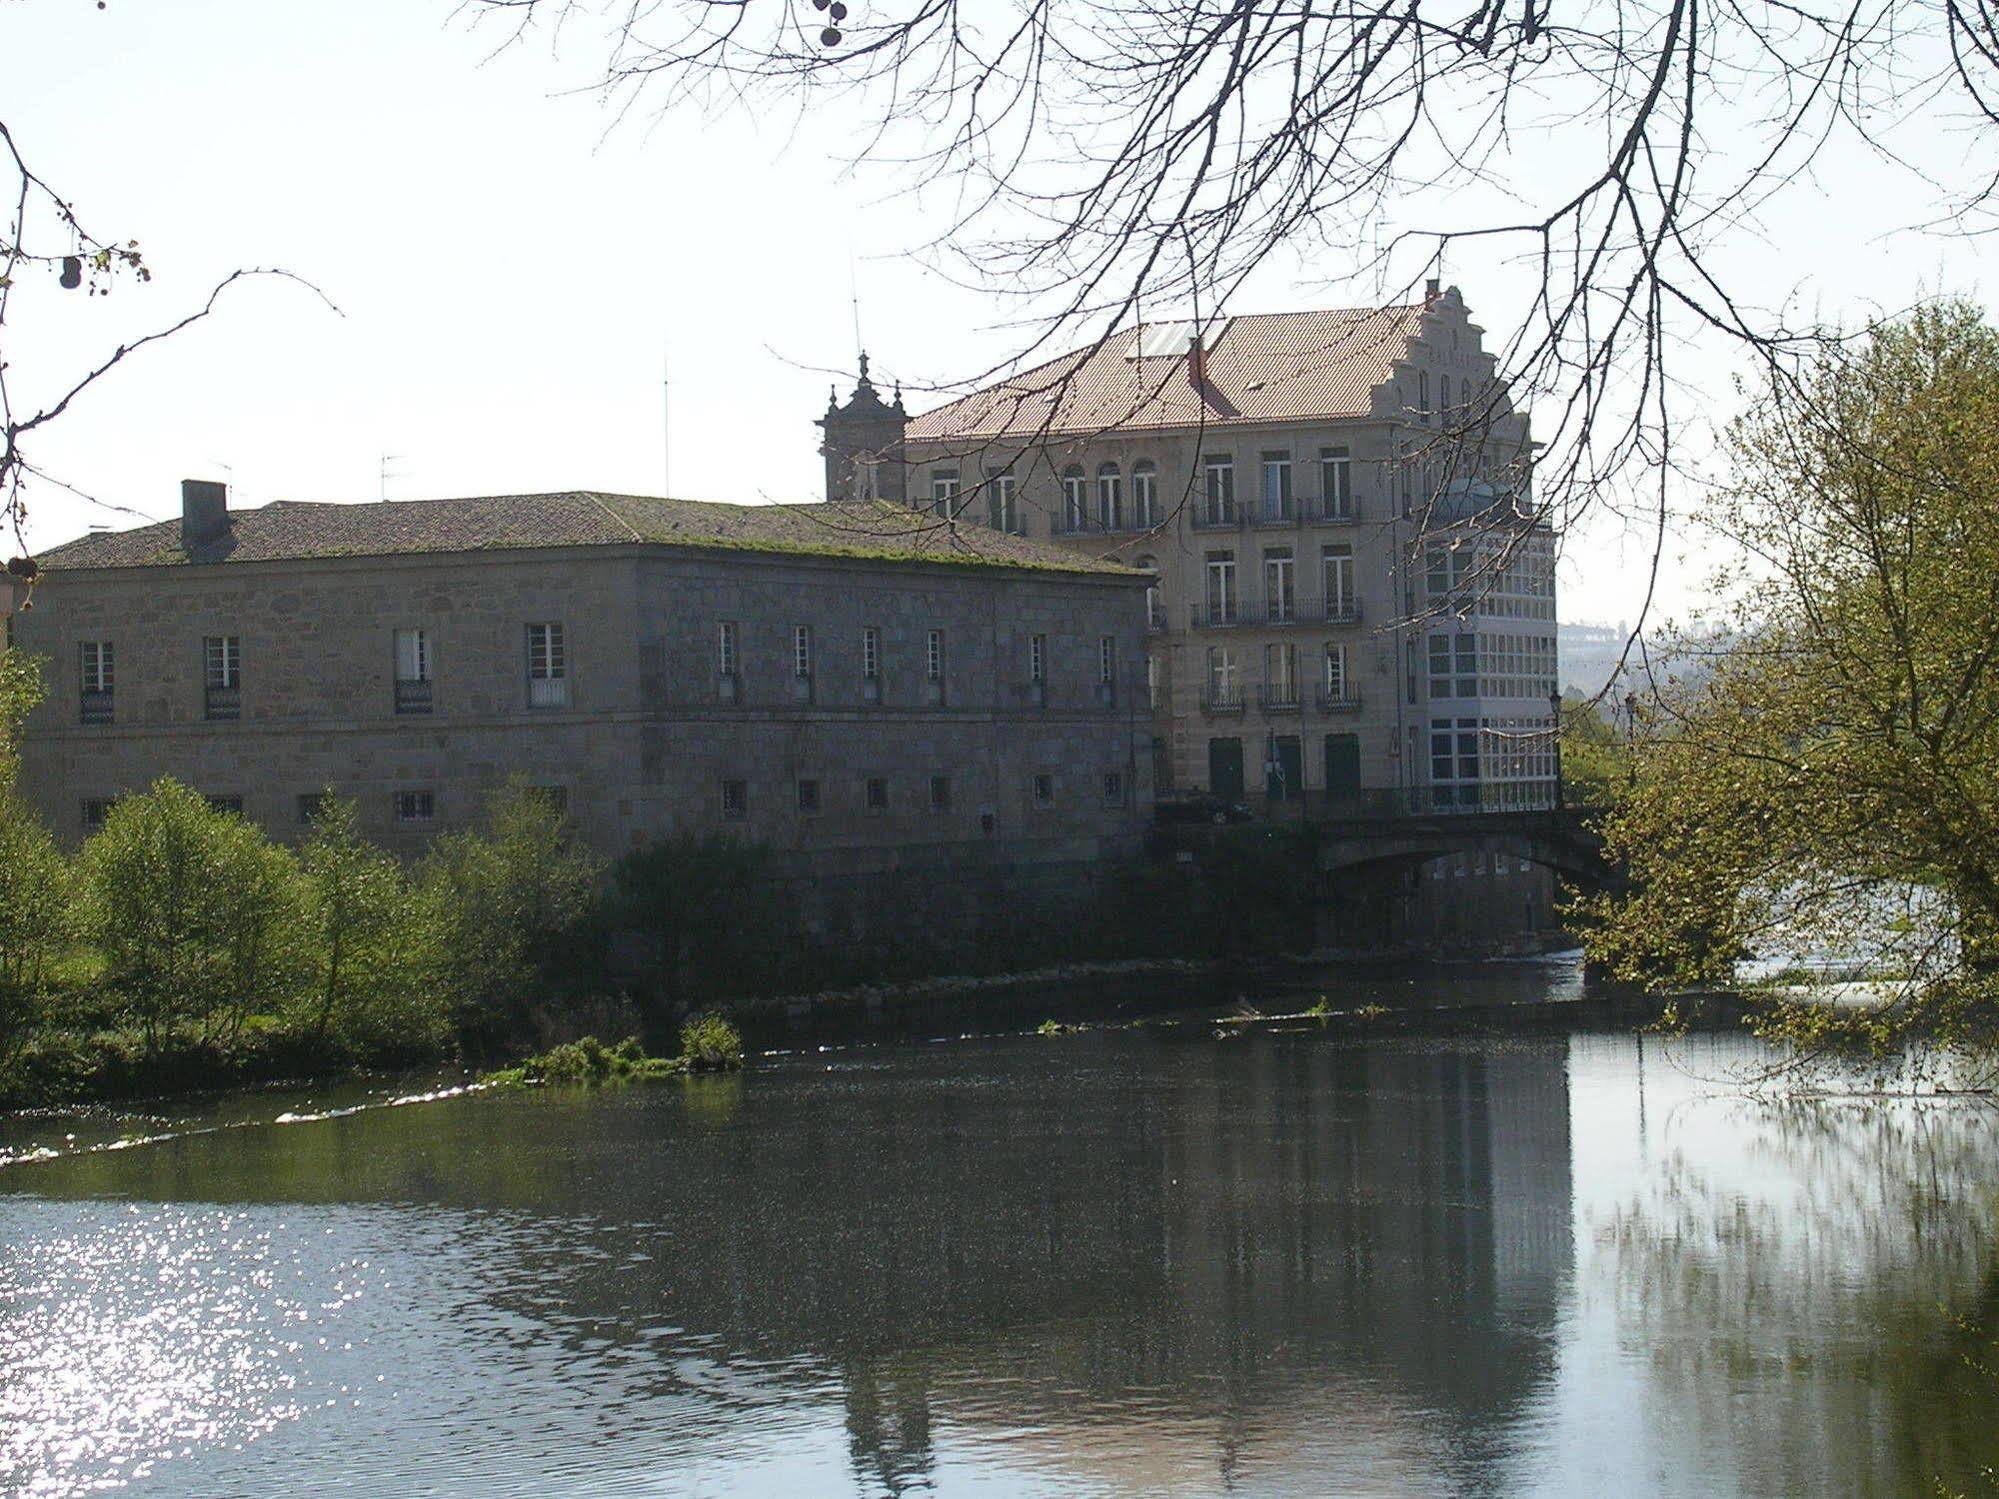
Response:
column 864, row 366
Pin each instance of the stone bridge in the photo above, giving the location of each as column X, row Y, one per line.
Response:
column 1564, row 840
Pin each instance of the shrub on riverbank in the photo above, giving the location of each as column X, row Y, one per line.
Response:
column 708, row 1043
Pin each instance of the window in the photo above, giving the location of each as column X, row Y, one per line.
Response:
column 1276, row 472
column 871, row 654
column 222, row 667
column 548, row 667
column 1444, row 395
column 933, row 656
column 1336, row 672
column 943, row 490
column 808, row 798
column 412, row 671
column 1280, row 675
column 1280, row 591
column 94, row 810
column 1336, row 483
column 1075, row 498
column 1144, row 495
column 801, row 651
column 1107, row 661
column 1218, row 469
column 1453, row 666
column 1221, row 588
column 96, row 681
column 1222, row 677
column 233, row 805
column 727, row 654
column 1037, row 660
column 1423, row 397
column 1003, row 506
column 1336, row 566
column 1113, row 788
column 1110, row 498
column 312, row 805
column 735, row 798
column 876, row 794
column 1152, row 681
column 940, row 793
column 1044, row 788
column 415, row 806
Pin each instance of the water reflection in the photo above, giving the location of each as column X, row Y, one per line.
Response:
column 1120, row 1263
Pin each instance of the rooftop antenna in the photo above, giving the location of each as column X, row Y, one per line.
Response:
column 389, row 473
column 854, row 297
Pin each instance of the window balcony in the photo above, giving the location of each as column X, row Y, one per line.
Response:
column 1281, row 611
column 220, row 704
column 1269, row 515
column 96, row 707
column 1277, row 699
column 1342, row 612
column 1206, row 517
column 1333, row 513
column 412, row 695
column 1222, row 702
column 1212, row 617
column 1345, row 701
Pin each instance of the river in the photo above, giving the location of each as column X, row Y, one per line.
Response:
column 1173, row 1258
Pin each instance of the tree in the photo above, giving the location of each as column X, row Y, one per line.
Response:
column 373, row 951
column 1829, row 784
column 37, row 920
column 200, row 918
column 504, row 902
column 1099, row 161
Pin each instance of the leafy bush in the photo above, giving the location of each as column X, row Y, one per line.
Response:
column 37, row 921
column 708, row 1043
column 506, row 908
column 199, row 916
column 587, row 1062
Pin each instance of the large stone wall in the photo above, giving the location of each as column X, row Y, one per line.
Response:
column 648, row 735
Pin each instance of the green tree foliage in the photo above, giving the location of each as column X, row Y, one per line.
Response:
column 1830, row 782
column 508, row 905
column 200, row 918
column 37, row 921
column 20, row 689
column 373, row 947
column 1595, row 764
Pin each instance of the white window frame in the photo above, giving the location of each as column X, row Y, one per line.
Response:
column 222, row 662
column 1144, row 495
column 1075, row 498
column 547, row 665
column 1336, row 671
column 1223, row 598
column 412, row 648
column 1006, row 504
column 801, row 652
column 1336, row 482
column 1280, row 586
column 728, row 647
column 944, row 488
column 1107, row 660
column 1110, row 497
column 1218, row 483
column 1274, row 484
column 933, row 656
column 871, row 653
column 1037, row 660
column 95, row 669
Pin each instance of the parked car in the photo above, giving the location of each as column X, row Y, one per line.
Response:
column 1200, row 807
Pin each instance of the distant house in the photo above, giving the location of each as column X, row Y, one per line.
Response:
column 1354, row 598
column 846, row 683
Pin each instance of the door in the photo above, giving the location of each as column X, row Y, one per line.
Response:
column 1342, row 767
column 1225, row 768
column 1285, row 774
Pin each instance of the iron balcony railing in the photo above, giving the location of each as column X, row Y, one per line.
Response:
column 1342, row 612
column 1277, row 699
column 1222, row 700
column 97, row 707
column 1212, row 616
column 222, row 703
column 412, row 695
column 1343, row 700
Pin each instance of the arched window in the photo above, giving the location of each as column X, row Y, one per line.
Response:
column 1155, row 601
column 1144, row 495
column 1075, row 498
column 1110, row 497
column 1444, row 394
column 1423, row 396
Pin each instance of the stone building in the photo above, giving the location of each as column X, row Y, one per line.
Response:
column 846, row 683
column 1355, row 596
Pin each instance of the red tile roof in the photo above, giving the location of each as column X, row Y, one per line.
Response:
column 1289, row 366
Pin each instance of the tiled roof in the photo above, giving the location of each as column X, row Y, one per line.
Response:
column 1288, row 366
column 293, row 530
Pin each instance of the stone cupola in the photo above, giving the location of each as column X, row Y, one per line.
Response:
column 863, row 444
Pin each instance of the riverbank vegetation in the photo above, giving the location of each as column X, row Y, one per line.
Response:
column 1820, row 776
column 708, row 1043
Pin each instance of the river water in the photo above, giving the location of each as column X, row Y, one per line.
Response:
column 1165, row 1259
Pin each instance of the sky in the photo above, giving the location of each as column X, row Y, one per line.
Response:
column 517, row 272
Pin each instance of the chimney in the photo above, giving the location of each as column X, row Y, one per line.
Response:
column 1197, row 360
column 1433, row 288
column 204, row 512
